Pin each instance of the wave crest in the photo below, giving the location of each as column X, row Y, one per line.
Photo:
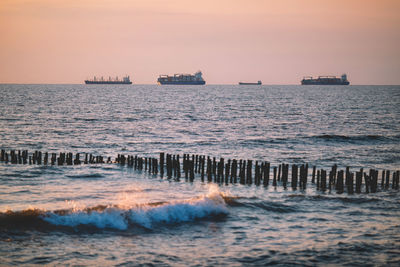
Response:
column 147, row 216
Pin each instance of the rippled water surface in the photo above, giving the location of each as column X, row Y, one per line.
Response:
column 106, row 214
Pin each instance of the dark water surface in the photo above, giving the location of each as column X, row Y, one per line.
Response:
column 111, row 215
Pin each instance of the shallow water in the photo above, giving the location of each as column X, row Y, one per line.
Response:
column 110, row 215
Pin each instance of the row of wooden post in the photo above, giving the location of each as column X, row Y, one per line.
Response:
column 138, row 163
column 224, row 171
column 39, row 158
column 234, row 171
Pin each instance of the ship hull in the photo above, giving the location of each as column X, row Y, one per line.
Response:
column 182, row 82
column 107, row 82
column 322, row 82
column 240, row 83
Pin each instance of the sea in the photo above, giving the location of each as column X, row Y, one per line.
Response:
column 112, row 215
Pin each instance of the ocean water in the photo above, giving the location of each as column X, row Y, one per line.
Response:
column 106, row 214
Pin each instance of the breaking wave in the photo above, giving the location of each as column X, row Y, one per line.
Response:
column 116, row 217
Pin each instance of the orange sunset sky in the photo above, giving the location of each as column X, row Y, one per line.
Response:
column 276, row 41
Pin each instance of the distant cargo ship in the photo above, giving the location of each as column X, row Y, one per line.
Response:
column 257, row 83
column 101, row 80
column 185, row 79
column 325, row 80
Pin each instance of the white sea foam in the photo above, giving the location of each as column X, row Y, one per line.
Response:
column 177, row 212
column 147, row 216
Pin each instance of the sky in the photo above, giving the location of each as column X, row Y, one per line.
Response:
column 276, row 41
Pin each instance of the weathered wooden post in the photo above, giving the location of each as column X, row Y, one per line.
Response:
column 169, row 166
column 358, row 181
column 53, row 158
column 313, row 175
column 235, row 172
column 220, row 165
column 274, row 180
column 25, row 156
column 339, row 182
column 162, row 164
column 256, row 173
column 69, row 158
column 77, row 160
column 186, row 165
column 374, row 180
column 350, row 186
column 249, row 169
column 232, row 171
column 196, row 164
column 203, row 162
column 45, row 158
column 227, row 169
column 178, row 168
column 209, row 169
column 294, row 177
column 266, row 173
column 214, row 170
column 303, row 176
column 285, row 174
column 221, row 170
column 241, row 176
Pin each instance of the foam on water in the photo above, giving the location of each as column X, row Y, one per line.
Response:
column 144, row 215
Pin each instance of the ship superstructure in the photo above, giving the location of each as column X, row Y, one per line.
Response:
column 101, row 80
column 188, row 79
column 325, row 80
